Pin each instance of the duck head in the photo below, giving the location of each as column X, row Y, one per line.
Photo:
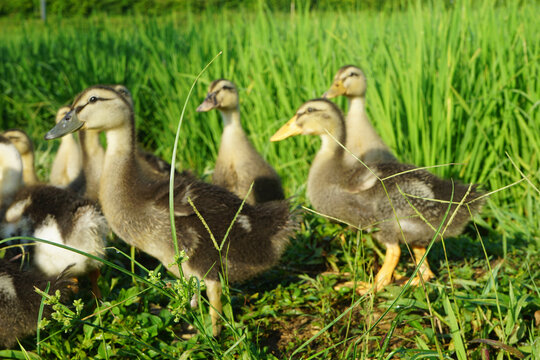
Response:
column 124, row 91
column 222, row 95
column 21, row 141
column 349, row 81
column 97, row 108
column 315, row 117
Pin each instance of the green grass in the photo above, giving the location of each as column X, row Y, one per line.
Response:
column 457, row 85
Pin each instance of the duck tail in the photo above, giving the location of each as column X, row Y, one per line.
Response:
column 281, row 220
column 474, row 200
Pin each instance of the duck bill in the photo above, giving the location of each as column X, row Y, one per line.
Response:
column 287, row 130
column 208, row 104
column 69, row 123
column 335, row 90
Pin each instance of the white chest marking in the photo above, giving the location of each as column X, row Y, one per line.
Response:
column 6, row 286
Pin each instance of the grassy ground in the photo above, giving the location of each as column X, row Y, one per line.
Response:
column 444, row 86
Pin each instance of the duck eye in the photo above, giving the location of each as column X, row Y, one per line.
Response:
column 227, row 88
column 353, row 74
column 310, row 109
column 93, row 99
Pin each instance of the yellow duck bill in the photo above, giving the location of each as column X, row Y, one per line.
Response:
column 335, row 90
column 289, row 129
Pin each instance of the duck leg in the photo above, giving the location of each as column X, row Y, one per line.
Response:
column 213, row 290
column 424, row 271
column 391, row 259
column 94, row 276
column 383, row 277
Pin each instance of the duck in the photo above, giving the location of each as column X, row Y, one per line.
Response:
column 11, row 170
column 24, row 145
column 363, row 141
column 238, row 164
column 135, row 202
column 63, row 217
column 20, row 303
column 355, row 194
column 67, row 164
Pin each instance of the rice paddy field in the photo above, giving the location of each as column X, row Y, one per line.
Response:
column 454, row 85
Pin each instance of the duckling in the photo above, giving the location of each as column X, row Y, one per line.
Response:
column 67, row 164
column 60, row 216
column 135, row 202
column 25, row 147
column 238, row 164
column 20, row 303
column 11, row 170
column 362, row 138
column 355, row 195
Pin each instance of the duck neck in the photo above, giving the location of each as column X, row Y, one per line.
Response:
column 90, row 143
column 119, row 164
column 232, row 130
column 327, row 163
column 231, row 119
column 29, row 171
column 92, row 154
column 69, row 142
column 331, row 150
column 120, row 144
column 363, row 135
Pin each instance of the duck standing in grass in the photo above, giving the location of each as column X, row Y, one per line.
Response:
column 20, row 303
column 24, row 145
column 410, row 207
column 67, row 164
column 135, row 202
column 238, row 164
column 362, row 138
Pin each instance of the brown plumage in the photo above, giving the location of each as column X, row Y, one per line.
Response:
column 135, row 202
column 238, row 164
column 20, row 303
column 355, row 195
